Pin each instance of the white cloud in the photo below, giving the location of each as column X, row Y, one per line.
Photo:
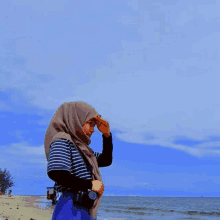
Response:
column 147, row 93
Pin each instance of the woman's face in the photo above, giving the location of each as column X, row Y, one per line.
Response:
column 88, row 127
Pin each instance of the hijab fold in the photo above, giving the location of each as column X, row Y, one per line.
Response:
column 67, row 124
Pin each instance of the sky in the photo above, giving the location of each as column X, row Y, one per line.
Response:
column 150, row 68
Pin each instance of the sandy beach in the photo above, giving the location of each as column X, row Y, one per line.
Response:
column 16, row 208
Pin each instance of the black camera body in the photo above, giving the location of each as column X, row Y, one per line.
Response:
column 86, row 198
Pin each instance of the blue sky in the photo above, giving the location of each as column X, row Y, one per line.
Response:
column 150, row 68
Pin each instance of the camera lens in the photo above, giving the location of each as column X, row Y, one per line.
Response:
column 92, row 195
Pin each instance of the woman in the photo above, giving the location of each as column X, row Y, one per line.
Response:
column 72, row 163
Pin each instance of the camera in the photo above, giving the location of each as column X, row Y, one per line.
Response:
column 86, row 198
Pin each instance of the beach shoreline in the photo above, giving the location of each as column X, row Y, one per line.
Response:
column 22, row 208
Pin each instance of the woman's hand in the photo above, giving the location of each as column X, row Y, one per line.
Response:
column 97, row 186
column 102, row 125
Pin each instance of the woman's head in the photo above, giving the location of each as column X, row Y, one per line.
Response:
column 75, row 119
column 86, row 115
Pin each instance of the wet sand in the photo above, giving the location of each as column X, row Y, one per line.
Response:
column 16, row 208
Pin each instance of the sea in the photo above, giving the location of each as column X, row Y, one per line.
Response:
column 153, row 208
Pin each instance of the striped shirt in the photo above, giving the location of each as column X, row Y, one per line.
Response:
column 63, row 155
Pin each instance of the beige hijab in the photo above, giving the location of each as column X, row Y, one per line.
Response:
column 67, row 124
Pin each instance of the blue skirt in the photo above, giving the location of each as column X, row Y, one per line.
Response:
column 65, row 209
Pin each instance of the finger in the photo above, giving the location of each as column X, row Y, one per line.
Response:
column 97, row 118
